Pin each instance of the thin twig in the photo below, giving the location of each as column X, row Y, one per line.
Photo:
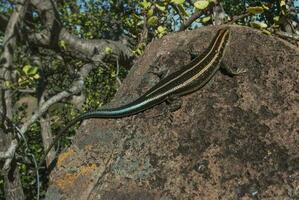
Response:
column 287, row 35
column 237, row 18
column 191, row 19
column 175, row 7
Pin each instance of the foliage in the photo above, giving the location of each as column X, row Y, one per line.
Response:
column 105, row 82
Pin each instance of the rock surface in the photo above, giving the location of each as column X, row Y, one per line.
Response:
column 236, row 138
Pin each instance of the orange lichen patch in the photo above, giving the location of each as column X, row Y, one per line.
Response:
column 63, row 156
column 70, row 180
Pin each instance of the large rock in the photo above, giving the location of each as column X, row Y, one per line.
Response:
column 236, row 137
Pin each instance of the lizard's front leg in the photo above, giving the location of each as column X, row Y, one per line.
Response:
column 231, row 72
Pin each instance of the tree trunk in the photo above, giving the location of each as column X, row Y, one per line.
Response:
column 12, row 184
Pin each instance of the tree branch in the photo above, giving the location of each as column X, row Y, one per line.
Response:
column 13, row 187
column 175, row 7
column 9, row 154
column 194, row 17
column 75, row 89
column 237, row 18
column 49, row 14
column 92, row 49
column 218, row 14
column 286, row 35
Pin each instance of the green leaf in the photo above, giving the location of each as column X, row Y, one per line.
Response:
column 22, row 81
column 36, row 76
column 276, row 19
column 138, row 52
column 206, row 19
column 161, row 31
column 150, row 12
column 177, row 1
column 152, row 21
column 62, row 44
column 30, row 70
column 7, row 84
column 202, row 4
column 161, row 7
column 108, row 50
column 255, row 10
column 259, row 25
column 282, row 3
column 113, row 74
column 33, row 71
column 26, row 69
column 145, row 4
column 182, row 10
column 265, row 7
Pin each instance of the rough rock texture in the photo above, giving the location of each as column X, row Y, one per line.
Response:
column 236, row 138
